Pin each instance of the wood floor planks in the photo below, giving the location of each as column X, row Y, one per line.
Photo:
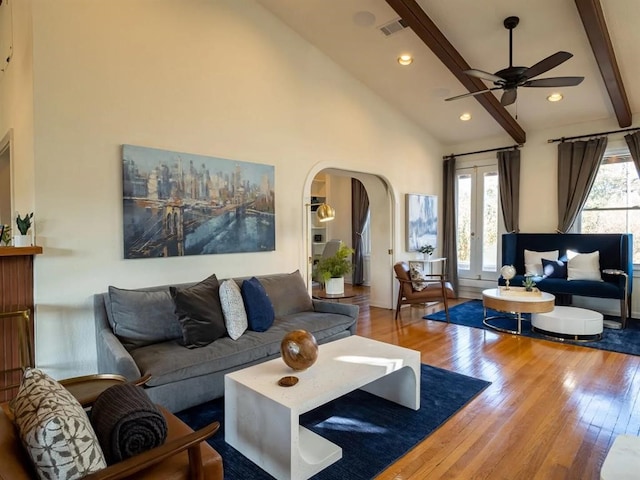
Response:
column 551, row 412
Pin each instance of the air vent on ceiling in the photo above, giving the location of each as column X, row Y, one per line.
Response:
column 395, row 26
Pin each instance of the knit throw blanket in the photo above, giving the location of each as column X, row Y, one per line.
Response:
column 127, row 422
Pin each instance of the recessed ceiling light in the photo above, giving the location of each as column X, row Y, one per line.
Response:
column 555, row 97
column 405, row 59
column 465, row 117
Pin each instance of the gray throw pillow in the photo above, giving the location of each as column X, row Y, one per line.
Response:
column 235, row 316
column 288, row 293
column 200, row 313
column 140, row 317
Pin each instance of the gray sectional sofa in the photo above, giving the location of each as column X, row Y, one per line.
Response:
column 182, row 377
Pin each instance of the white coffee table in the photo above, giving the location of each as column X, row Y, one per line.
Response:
column 516, row 301
column 262, row 418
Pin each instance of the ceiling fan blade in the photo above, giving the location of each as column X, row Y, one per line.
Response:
column 508, row 97
column 484, row 75
column 471, row 94
column 547, row 64
column 554, row 82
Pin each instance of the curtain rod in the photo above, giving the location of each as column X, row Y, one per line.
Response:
column 516, row 146
column 562, row 139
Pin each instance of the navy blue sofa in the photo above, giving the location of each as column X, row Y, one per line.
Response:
column 616, row 253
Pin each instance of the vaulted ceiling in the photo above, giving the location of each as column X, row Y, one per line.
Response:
column 447, row 37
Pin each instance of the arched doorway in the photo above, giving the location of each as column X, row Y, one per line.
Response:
column 381, row 201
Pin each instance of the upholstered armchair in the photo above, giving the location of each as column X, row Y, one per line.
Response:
column 433, row 288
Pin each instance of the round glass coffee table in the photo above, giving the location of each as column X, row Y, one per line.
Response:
column 515, row 301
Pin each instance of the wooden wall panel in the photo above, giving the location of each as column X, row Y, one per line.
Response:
column 16, row 293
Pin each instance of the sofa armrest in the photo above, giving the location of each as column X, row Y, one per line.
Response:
column 114, row 358
column 334, row 307
column 339, row 309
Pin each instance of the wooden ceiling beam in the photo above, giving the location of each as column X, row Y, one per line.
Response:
column 596, row 28
column 429, row 33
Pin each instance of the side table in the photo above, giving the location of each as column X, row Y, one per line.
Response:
column 332, row 296
column 625, row 307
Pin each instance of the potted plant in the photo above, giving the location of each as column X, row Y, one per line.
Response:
column 333, row 269
column 426, row 250
column 6, row 235
column 528, row 283
column 24, row 224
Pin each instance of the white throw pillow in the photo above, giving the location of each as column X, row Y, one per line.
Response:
column 583, row 266
column 235, row 316
column 533, row 261
column 55, row 429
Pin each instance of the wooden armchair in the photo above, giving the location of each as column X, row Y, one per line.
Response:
column 436, row 290
column 184, row 455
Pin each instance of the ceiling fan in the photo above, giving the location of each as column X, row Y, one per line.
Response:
column 510, row 78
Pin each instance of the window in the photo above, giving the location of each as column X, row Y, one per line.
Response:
column 613, row 204
column 479, row 221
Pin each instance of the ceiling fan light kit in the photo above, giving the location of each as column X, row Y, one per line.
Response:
column 510, row 78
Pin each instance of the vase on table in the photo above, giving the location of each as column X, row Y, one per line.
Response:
column 334, row 286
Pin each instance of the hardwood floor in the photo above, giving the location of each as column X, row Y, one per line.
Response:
column 551, row 412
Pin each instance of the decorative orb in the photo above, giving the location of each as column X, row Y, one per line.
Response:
column 299, row 349
column 508, row 272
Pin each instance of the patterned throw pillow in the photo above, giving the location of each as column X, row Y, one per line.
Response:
column 235, row 316
column 417, row 278
column 55, row 429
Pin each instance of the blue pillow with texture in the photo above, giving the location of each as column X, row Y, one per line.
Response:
column 260, row 313
column 554, row 268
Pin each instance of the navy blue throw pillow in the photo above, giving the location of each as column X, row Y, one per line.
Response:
column 554, row 268
column 260, row 313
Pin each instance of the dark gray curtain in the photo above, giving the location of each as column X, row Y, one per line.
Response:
column 509, row 178
column 633, row 141
column 449, row 221
column 359, row 211
column 578, row 164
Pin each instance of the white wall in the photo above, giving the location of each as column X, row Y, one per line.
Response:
column 16, row 106
column 214, row 77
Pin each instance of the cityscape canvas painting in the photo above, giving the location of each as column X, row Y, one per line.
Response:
column 422, row 221
column 177, row 204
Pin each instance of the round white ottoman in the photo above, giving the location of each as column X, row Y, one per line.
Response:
column 569, row 322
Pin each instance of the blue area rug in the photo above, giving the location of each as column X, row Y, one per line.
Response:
column 372, row 432
column 470, row 314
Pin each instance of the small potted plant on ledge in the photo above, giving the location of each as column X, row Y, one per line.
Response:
column 24, row 224
column 333, row 269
